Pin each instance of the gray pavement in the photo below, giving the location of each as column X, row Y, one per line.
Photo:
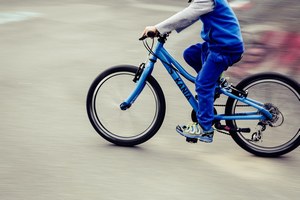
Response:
column 50, row 53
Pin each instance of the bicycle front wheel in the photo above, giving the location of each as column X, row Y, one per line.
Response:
column 128, row 127
column 281, row 96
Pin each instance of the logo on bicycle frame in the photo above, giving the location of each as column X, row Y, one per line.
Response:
column 183, row 88
column 181, row 85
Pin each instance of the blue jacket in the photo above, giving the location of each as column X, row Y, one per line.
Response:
column 221, row 29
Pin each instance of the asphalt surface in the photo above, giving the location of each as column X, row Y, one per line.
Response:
column 50, row 53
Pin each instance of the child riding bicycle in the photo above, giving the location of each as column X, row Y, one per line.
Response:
column 222, row 47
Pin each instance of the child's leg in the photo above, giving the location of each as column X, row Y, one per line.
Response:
column 206, row 80
column 192, row 56
column 213, row 66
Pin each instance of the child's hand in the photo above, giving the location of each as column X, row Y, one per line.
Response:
column 149, row 29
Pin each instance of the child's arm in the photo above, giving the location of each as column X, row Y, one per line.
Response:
column 186, row 17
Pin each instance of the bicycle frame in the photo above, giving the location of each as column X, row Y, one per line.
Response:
column 175, row 70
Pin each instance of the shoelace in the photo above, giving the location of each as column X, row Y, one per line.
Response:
column 189, row 125
column 192, row 128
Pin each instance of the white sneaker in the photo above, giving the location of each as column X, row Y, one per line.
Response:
column 194, row 130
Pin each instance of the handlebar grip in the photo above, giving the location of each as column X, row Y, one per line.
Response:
column 150, row 34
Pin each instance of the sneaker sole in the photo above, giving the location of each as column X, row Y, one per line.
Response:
column 206, row 140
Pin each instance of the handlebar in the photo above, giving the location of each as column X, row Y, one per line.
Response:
column 150, row 34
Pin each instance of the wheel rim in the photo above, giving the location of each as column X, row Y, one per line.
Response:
column 286, row 98
column 127, row 125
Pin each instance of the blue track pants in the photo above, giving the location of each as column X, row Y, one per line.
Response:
column 209, row 65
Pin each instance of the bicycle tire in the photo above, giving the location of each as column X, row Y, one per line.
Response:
column 263, row 87
column 112, row 84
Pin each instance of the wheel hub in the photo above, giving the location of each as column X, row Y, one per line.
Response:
column 277, row 117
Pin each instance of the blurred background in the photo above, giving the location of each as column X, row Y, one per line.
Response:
column 271, row 33
column 51, row 51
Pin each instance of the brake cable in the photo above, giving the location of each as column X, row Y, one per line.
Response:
column 149, row 49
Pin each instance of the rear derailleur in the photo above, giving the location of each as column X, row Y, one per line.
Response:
column 276, row 121
column 258, row 135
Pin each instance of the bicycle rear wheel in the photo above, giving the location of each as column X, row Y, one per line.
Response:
column 275, row 91
column 128, row 127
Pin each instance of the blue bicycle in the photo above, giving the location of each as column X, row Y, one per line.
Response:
column 126, row 105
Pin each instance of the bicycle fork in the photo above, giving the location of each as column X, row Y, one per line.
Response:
column 140, row 79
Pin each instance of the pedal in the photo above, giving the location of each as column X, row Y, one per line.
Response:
column 192, row 140
column 221, row 128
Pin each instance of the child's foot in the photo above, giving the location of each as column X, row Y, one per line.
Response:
column 194, row 130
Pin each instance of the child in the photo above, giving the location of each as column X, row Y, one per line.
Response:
column 222, row 47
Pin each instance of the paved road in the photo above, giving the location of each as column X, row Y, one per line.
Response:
column 50, row 52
